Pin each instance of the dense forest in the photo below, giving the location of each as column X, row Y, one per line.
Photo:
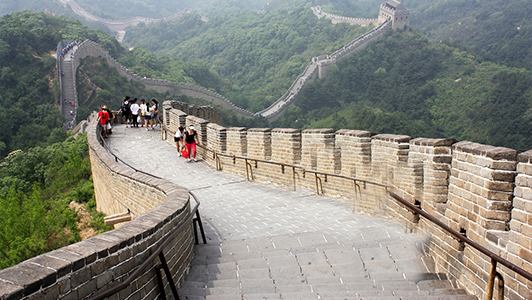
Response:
column 498, row 30
column 37, row 189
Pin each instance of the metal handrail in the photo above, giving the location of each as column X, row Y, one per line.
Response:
column 149, row 260
column 494, row 257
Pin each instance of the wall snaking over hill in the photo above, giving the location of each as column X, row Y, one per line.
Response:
column 90, row 48
column 482, row 191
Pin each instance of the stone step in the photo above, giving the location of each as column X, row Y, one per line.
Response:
column 435, row 284
column 299, row 296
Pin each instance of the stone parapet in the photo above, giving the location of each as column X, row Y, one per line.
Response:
column 318, row 150
column 237, row 141
column 259, row 143
column 217, row 137
column 101, row 262
column 355, row 153
column 485, row 192
column 287, row 146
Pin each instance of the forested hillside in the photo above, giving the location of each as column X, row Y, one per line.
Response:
column 38, row 189
column 431, row 90
column 259, row 54
column 499, row 30
column 28, row 76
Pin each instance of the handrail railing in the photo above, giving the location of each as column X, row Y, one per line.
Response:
column 157, row 253
column 194, row 217
column 494, row 257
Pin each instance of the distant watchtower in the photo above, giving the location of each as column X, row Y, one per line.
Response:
column 396, row 12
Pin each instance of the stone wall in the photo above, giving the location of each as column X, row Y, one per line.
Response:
column 485, row 192
column 101, row 262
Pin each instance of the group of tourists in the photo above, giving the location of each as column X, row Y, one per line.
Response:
column 186, row 141
column 67, row 48
column 132, row 113
column 144, row 113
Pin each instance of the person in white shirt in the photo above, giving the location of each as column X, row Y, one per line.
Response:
column 143, row 111
column 135, row 113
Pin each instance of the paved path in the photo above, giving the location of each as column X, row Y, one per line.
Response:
column 270, row 242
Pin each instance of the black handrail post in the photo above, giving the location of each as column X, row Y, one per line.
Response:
column 160, row 282
column 200, row 224
column 194, row 222
column 168, row 275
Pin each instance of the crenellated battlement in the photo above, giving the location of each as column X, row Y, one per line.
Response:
column 483, row 191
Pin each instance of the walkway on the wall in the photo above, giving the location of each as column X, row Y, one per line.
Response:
column 269, row 242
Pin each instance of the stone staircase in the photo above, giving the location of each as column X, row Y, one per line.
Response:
column 314, row 266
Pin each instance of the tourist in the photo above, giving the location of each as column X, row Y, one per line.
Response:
column 103, row 117
column 126, row 111
column 178, row 139
column 155, row 110
column 143, row 111
column 111, row 118
column 191, row 139
column 135, row 113
column 147, row 116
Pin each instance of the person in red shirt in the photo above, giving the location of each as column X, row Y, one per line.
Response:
column 103, row 117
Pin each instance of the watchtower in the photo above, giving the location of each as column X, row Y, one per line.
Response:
column 396, row 12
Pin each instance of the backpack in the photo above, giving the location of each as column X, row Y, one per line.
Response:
column 126, row 107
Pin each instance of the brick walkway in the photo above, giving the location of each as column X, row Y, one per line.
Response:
column 270, row 242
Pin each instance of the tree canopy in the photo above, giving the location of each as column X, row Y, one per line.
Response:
column 36, row 188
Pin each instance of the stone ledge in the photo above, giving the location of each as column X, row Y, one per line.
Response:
column 285, row 130
column 433, row 142
column 355, row 133
column 495, row 153
column 216, row 126
column 259, row 130
column 318, row 131
column 392, row 138
column 525, row 157
column 237, row 129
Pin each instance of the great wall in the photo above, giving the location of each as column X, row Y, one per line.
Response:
column 481, row 191
column 317, row 68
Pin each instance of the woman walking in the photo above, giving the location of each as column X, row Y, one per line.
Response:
column 143, row 111
column 191, row 139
